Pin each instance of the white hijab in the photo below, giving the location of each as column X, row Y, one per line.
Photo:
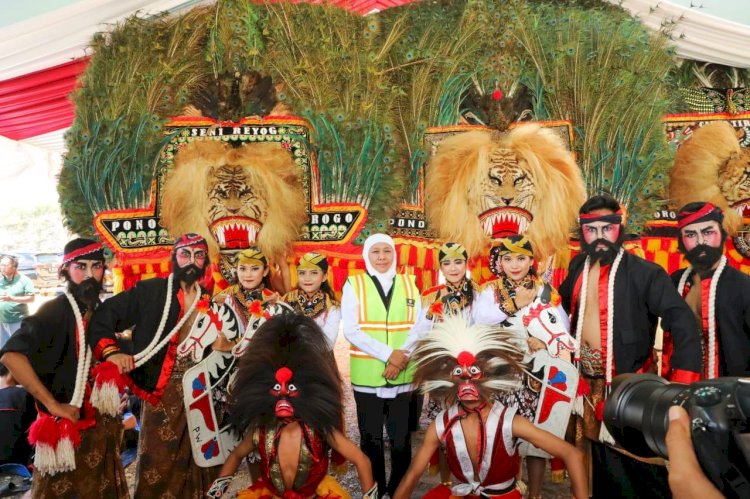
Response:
column 384, row 278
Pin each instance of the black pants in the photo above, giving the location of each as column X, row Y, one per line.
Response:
column 395, row 413
column 617, row 475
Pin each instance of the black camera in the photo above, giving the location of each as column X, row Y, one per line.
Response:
column 636, row 415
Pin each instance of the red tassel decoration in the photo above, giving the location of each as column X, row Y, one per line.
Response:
column 108, row 385
column 583, row 388
column 600, row 411
column 70, row 439
column 44, row 435
column 68, row 429
column 44, row 431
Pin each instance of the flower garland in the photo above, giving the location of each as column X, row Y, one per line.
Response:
column 55, row 439
column 155, row 346
column 604, row 435
column 84, row 361
column 712, row 370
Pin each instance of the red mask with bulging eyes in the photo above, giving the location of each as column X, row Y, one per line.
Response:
column 467, row 370
column 284, row 389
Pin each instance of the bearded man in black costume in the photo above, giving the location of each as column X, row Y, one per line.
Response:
column 77, row 448
column 616, row 299
column 160, row 313
column 718, row 294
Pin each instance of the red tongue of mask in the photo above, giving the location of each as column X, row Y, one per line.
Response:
column 283, row 409
column 467, row 390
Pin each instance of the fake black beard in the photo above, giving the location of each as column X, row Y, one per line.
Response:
column 188, row 274
column 701, row 263
column 604, row 257
column 87, row 291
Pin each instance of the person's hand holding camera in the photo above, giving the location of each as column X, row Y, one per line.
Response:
column 686, row 478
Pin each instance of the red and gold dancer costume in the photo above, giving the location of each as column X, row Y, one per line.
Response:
column 464, row 366
column 286, row 397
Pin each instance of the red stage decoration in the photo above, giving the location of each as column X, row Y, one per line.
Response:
column 38, row 103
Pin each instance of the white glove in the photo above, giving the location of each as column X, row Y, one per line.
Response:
column 372, row 493
column 219, row 487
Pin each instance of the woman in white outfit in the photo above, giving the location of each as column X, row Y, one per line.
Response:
column 313, row 296
column 505, row 301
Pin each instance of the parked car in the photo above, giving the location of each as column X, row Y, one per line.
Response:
column 47, row 267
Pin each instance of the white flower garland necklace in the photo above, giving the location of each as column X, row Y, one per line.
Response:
column 84, row 354
column 711, row 311
column 155, row 346
column 610, row 312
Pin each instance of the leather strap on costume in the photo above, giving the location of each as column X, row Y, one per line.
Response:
column 463, row 413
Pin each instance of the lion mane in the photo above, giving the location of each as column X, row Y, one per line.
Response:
column 456, row 172
column 268, row 168
column 711, row 167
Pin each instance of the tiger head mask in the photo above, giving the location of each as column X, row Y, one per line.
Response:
column 235, row 197
column 480, row 187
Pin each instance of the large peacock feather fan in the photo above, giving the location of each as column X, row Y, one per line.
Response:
column 370, row 86
column 142, row 72
column 431, row 65
column 332, row 68
column 497, row 96
column 601, row 69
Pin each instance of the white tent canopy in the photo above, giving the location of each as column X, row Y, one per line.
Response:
column 63, row 34
column 698, row 35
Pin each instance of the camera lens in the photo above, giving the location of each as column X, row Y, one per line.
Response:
column 636, row 412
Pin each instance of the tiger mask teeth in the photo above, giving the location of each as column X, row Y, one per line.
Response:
column 742, row 208
column 504, row 221
column 236, row 233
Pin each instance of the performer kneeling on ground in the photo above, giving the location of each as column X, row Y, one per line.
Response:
column 49, row 356
column 465, row 366
column 287, row 396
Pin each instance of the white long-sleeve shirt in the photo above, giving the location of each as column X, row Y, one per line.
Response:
column 372, row 347
column 330, row 321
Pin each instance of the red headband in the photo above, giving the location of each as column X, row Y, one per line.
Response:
column 91, row 248
column 189, row 240
column 613, row 218
column 686, row 218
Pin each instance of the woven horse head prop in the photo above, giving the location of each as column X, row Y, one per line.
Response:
column 543, row 320
column 212, row 319
column 255, row 321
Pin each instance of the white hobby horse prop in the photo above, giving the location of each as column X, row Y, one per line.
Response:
column 543, row 321
column 559, row 382
column 205, row 384
column 558, row 378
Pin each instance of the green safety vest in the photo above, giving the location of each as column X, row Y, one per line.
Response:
column 390, row 327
